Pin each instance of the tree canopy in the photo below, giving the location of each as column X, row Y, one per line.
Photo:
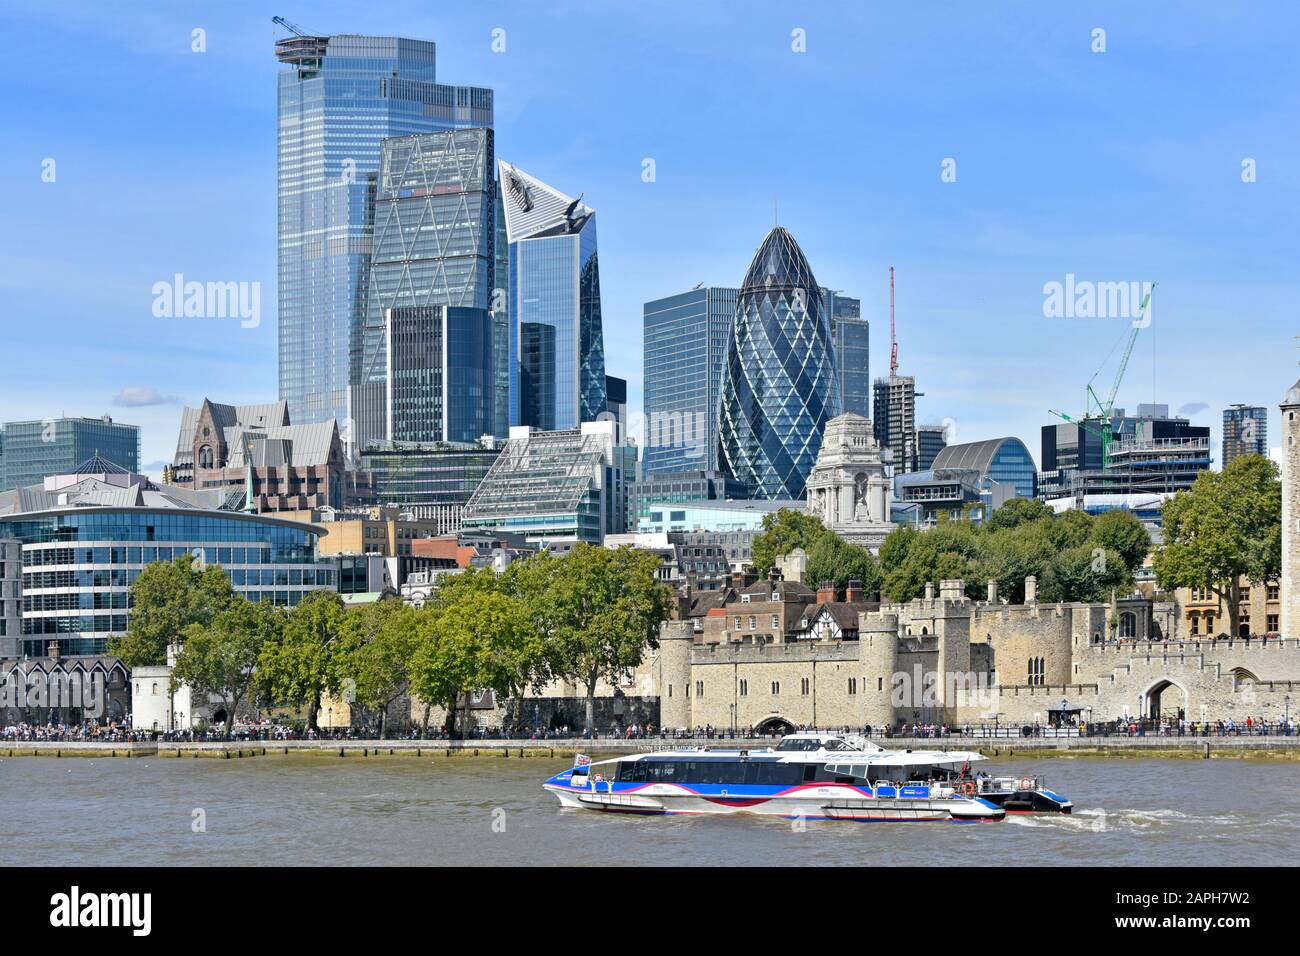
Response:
column 167, row 598
column 1225, row 529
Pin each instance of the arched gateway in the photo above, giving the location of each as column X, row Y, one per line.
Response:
column 775, row 726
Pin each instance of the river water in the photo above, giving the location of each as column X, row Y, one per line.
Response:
column 418, row 811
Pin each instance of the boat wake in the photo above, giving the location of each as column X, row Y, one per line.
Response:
column 1100, row 820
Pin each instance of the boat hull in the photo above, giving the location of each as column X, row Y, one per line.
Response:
column 830, row 802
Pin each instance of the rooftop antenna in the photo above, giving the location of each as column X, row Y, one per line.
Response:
column 893, row 335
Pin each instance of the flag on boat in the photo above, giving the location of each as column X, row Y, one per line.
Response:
column 581, row 760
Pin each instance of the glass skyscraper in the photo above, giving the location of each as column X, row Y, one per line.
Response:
column 557, row 352
column 685, row 340
column 432, row 274
column 781, row 385
column 852, row 335
column 35, row 450
column 339, row 97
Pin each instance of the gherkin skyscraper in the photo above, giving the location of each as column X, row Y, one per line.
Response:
column 779, row 385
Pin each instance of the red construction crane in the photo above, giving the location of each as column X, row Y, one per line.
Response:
column 893, row 337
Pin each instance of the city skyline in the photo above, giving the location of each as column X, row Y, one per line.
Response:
column 1149, row 188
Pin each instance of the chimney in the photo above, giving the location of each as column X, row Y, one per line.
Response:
column 774, row 574
column 993, row 591
column 1031, row 590
column 692, row 582
column 929, row 590
column 52, row 650
column 853, row 593
column 825, row 592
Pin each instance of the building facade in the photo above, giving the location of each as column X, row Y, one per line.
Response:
column 556, row 488
column 685, row 338
column 894, row 419
column 848, row 490
column 852, row 336
column 339, row 97
column 426, row 361
column 291, row 467
column 86, row 537
column 430, row 481
column 781, row 383
column 1245, row 432
column 557, row 351
column 11, row 597
column 930, row 440
column 55, row 446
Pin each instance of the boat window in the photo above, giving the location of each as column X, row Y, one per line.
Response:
column 836, row 745
column 638, row 771
column 799, row 744
column 625, row 770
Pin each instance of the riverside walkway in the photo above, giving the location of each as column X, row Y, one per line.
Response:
column 1118, row 746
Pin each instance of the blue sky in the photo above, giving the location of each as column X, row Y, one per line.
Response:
column 1117, row 166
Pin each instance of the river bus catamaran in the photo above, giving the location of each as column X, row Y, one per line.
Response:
column 817, row 775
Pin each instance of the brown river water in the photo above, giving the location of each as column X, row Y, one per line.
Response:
column 319, row 810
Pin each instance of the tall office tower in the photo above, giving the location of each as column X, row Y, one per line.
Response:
column 439, row 374
column 852, row 336
column 501, row 325
column 685, row 340
column 56, row 446
column 616, row 402
column 434, row 246
column 339, row 97
column 780, row 386
column 930, row 440
column 893, row 419
column 1245, row 432
column 557, row 350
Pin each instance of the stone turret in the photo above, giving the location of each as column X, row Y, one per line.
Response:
column 878, row 653
column 1290, row 583
column 676, row 641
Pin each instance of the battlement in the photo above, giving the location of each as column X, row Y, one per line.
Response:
column 793, row 652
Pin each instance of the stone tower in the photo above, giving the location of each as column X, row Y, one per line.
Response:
column 676, row 639
column 878, row 655
column 1291, row 513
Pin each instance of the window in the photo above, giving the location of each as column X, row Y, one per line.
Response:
column 1271, row 592
column 699, row 688
column 737, row 627
column 744, row 687
column 776, row 688
column 753, row 623
column 1272, row 623
column 776, row 622
column 803, row 686
column 853, row 685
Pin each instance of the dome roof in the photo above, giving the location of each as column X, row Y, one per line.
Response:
column 781, row 263
column 1292, row 395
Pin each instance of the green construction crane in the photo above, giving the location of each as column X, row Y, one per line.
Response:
column 1105, row 411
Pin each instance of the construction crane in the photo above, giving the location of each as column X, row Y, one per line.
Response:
column 1105, row 410
column 893, row 332
column 291, row 27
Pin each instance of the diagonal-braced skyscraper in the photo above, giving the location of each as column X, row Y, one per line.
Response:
column 339, row 98
column 780, row 384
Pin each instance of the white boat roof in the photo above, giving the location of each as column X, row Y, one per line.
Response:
column 831, row 748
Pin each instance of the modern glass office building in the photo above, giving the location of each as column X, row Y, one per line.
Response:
column 56, row 446
column 339, row 98
column 1006, row 460
column 852, row 336
column 431, row 481
column 434, row 246
column 86, row 536
column 685, row 339
column 557, row 352
column 781, row 385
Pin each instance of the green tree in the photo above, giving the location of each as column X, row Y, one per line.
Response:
column 835, row 560
column 1016, row 512
column 894, row 550
column 1122, row 533
column 295, row 667
column 167, row 598
column 375, row 648
column 219, row 658
column 605, row 606
column 1225, row 528
column 1085, row 573
column 783, row 531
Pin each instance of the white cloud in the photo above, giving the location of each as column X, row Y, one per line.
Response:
column 139, row 396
